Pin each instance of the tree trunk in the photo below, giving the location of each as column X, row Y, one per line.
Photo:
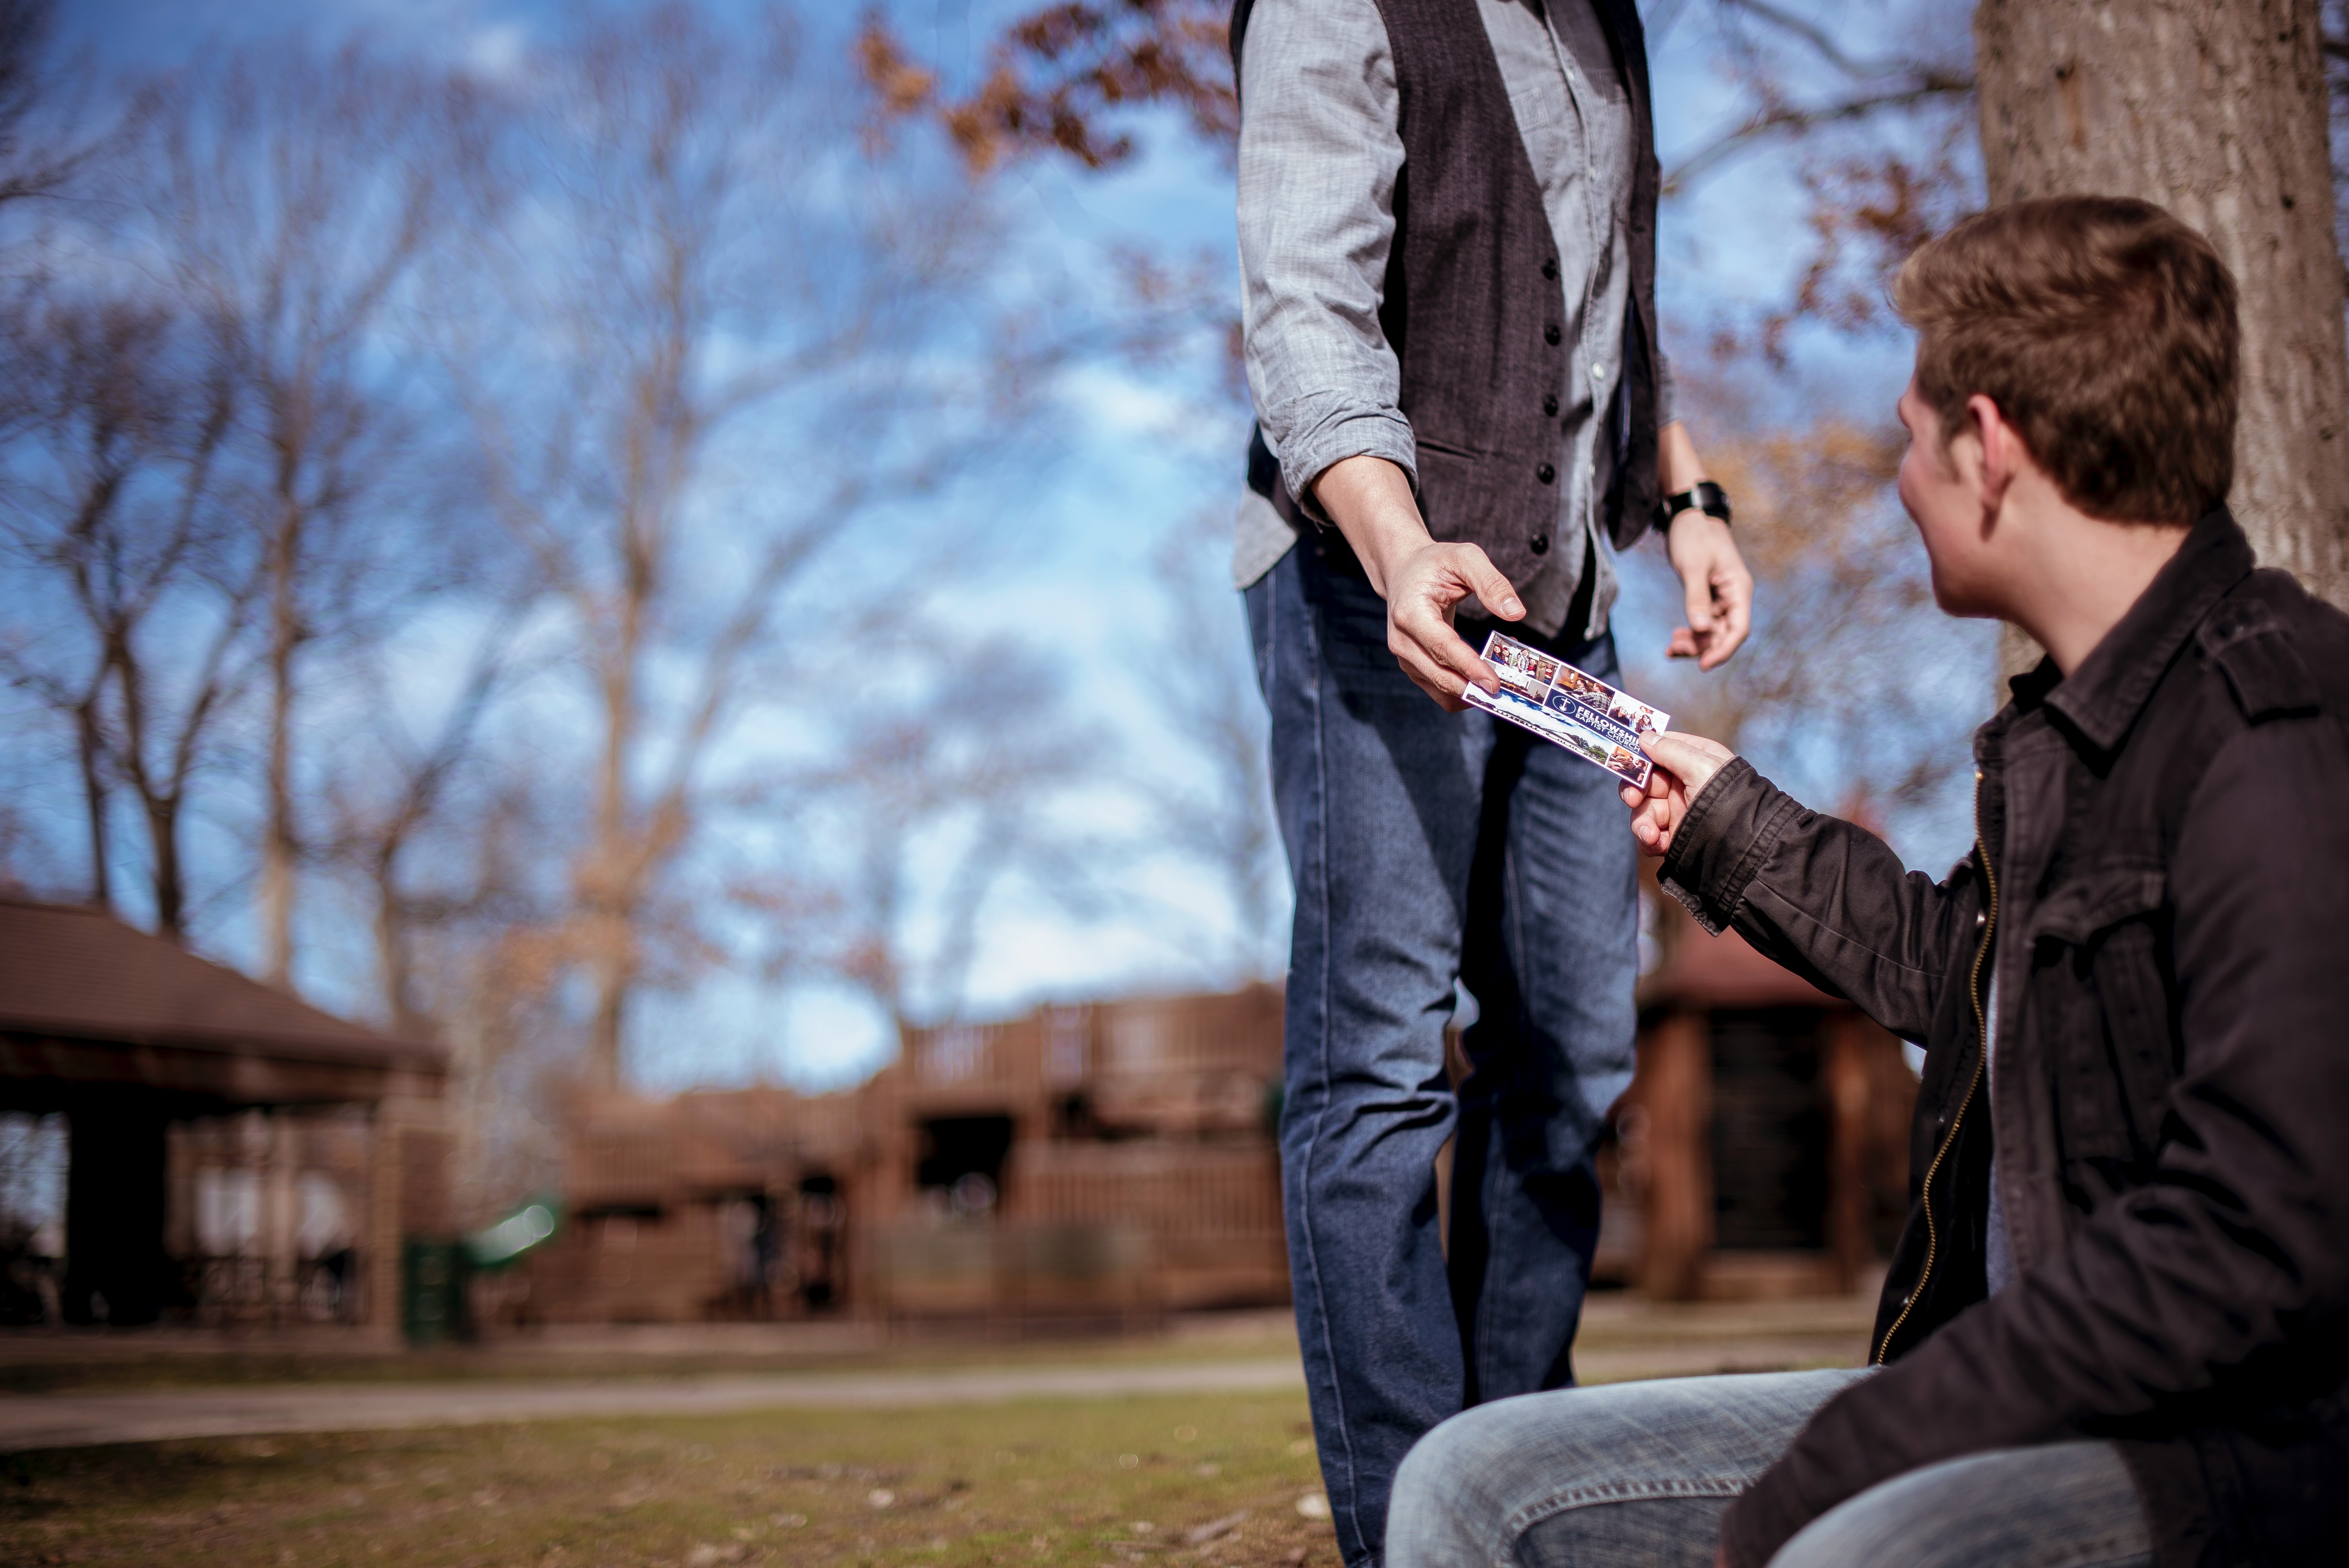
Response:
column 90, row 737
column 610, row 888
column 615, row 977
column 2217, row 111
column 278, row 825
column 169, row 875
column 391, row 954
column 166, row 873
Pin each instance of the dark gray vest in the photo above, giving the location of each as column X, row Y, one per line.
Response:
column 1472, row 300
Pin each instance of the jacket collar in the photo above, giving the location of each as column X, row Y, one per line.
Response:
column 2102, row 698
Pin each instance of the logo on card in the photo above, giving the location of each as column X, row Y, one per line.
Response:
column 1577, row 708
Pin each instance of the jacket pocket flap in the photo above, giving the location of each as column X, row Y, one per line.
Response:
column 2102, row 896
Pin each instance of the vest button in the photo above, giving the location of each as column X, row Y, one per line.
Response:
column 1549, row 267
column 1545, row 473
column 1549, row 404
column 1550, row 335
column 1538, row 544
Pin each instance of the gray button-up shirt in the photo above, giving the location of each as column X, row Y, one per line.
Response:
column 1319, row 152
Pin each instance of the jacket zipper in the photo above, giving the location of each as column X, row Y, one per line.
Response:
column 1981, row 1027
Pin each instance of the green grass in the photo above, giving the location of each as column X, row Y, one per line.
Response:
column 1041, row 1483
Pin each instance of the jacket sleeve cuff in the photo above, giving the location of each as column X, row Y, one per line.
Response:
column 1730, row 830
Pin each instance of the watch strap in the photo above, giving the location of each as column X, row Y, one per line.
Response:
column 1704, row 496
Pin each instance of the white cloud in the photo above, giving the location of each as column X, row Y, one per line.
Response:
column 497, row 51
column 1111, row 403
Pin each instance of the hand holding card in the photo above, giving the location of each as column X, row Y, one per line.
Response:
column 1685, row 764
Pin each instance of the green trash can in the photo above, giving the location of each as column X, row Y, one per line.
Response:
column 432, row 1293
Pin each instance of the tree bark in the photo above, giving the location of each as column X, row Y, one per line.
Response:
column 159, row 806
column 169, row 875
column 89, row 736
column 2217, row 111
column 610, row 890
column 391, row 955
column 277, row 841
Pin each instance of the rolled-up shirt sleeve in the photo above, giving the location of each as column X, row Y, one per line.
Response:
column 1319, row 152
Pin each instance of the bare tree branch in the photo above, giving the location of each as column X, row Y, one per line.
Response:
column 1822, row 44
column 1218, row 816
column 690, row 294
column 947, row 789
column 1783, row 119
column 127, row 408
column 293, row 197
column 1885, row 86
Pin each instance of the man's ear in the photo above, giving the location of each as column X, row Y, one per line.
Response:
column 2003, row 454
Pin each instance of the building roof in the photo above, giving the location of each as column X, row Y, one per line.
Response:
column 1724, row 970
column 73, row 975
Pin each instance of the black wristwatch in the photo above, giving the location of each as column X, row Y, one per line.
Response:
column 1707, row 498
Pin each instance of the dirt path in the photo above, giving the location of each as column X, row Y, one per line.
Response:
column 79, row 1420
column 1622, row 1339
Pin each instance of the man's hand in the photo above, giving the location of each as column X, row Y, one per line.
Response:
column 1423, row 582
column 1422, row 594
column 1685, row 764
column 1720, row 590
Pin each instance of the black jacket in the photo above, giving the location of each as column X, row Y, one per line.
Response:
column 2161, row 877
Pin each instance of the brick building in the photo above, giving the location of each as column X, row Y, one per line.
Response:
column 1118, row 1159
column 1763, row 1147
column 1110, row 1159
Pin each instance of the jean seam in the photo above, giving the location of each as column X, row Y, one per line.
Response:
column 1321, row 1110
column 1644, row 1491
column 1496, row 1134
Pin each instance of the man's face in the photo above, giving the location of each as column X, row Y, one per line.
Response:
column 1941, row 486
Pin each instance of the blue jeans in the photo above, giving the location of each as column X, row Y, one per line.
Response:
column 1636, row 1475
column 1431, row 852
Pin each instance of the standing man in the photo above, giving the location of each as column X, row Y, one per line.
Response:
column 1447, row 249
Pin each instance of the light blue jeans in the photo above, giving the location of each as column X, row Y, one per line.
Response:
column 1431, row 849
column 1636, row 1475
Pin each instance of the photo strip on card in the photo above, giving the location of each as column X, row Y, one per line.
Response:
column 1569, row 708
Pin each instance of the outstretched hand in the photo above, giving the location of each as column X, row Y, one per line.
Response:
column 1717, row 587
column 1684, row 765
column 1423, row 582
column 1423, row 593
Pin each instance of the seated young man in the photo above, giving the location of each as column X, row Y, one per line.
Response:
column 2117, row 1328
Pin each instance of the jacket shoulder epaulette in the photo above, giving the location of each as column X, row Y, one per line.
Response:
column 2250, row 639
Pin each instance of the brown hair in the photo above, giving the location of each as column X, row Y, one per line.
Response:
column 2104, row 331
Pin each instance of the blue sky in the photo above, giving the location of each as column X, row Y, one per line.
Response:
column 1140, row 459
